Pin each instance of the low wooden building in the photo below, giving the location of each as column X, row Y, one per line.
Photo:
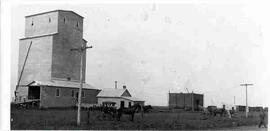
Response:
column 240, row 108
column 56, row 93
column 255, row 109
column 121, row 97
column 185, row 100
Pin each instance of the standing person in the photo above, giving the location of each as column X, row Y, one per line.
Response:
column 262, row 119
column 142, row 110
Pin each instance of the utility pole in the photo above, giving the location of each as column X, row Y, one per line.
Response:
column 192, row 101
column 115, row 84
column 246, row 85
column 81, row 50
column 234, row 100
column 168, row 98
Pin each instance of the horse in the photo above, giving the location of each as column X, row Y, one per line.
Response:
column 147, row 108
column 220, row 111
column 129, row 111
column 211, row 110
column 109, row 111
column 205, row 110
column 232, row 112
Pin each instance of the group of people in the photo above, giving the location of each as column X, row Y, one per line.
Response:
column 262, row 119
column 262, row 116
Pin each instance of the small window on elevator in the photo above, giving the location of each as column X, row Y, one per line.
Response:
column 64, row 20
column 77, row 25
column 32, row 24
column 49, row 20
column 57, row 93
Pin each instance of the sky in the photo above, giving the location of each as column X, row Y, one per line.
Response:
column 157, row 48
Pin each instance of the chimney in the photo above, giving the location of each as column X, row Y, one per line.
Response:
column 124, row 87
column 115, row 84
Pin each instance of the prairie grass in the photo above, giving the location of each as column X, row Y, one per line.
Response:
column 65, row 119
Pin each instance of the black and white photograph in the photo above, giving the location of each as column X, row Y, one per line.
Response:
column 156, row 65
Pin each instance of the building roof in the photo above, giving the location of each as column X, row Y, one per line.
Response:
column 133, row 98
column 117, row 93
column 54, row 11
column 112, row 92
column 61, row 83
column 181, row 93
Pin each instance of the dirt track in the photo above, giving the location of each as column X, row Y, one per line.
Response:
column 244, row 128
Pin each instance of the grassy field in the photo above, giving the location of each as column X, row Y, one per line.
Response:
column 66, row 119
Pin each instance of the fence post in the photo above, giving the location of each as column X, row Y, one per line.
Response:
column 88, row 115
column 142, row 111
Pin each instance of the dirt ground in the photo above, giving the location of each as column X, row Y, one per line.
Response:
column 26, row 119
column 244, row 128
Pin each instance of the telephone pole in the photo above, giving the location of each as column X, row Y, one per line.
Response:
column 234, row 100
column 81, row 50
column 192, row 101
column 246, row 85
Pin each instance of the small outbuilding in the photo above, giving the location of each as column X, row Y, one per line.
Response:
column 185, row 101
column 240, row 108
column 121, row 97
